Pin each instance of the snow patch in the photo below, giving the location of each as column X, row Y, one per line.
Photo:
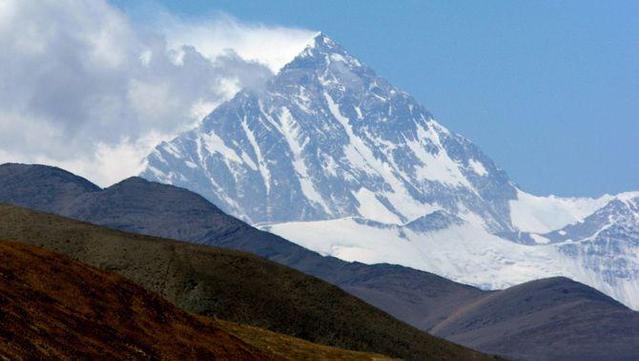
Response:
column 464, row 253
column 291, row 132
column 261, row 163
column 478, row 167
column 539, row 239
column 337, row 57
column 535, row 214
column 215, row 144
column 371, row 208
column 437, row 167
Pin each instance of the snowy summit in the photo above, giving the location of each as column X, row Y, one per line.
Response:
column 333, row 157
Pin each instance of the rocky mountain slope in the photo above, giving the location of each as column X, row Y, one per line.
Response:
column 328, row 140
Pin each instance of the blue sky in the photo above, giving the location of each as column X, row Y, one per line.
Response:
column 549, row 89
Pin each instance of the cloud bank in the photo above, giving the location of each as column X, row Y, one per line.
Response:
column 84, row 88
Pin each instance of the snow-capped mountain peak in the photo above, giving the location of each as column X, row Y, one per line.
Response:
column 332, row 156
column 321, row 46
column 328, row 138
column 324, row 49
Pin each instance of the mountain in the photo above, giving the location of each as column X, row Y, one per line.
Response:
column 329, row 145
column 55, row 188
column 528, row 313
column 327, row 138
column 607, row 241
column 427, row 301
column 56, row 308
column 232, row 285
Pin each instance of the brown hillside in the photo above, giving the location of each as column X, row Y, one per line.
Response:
column 52, row 307
column 232, row 285
column 294, row 349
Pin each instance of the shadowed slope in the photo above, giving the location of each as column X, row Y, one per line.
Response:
column 55, row 308
column 416, row 297
column 232, row 285
column 43, row 188
column 555, row 319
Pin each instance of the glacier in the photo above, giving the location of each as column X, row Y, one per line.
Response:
column 333, row 157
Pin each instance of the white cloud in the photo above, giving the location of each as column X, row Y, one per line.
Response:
column 273, row 46
column 84, row 88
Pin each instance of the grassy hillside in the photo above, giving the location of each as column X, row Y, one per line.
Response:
column 291, row 348
column 532, row 321
column 232, row 285
column 421, row 299
column 65, row 309
column 52, row 307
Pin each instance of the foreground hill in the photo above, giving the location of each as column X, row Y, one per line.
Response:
column 427, row 301
column 55, row 308
column 232, row 285
column 100, row 314
column 136, row 205
column 294, row 349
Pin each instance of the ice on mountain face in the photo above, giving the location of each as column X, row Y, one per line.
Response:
column 335, row 158
column 448, row 246
column 540, row 239
column 531, row 213
column 460, row 251
column 605, row 245
column 328, row 138
column 371, row 208
column 478, row 168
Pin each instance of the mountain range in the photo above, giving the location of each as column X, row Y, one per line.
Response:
column 331, row 156
column 551, row 319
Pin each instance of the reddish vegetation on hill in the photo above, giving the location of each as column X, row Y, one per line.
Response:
column 52, row 307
